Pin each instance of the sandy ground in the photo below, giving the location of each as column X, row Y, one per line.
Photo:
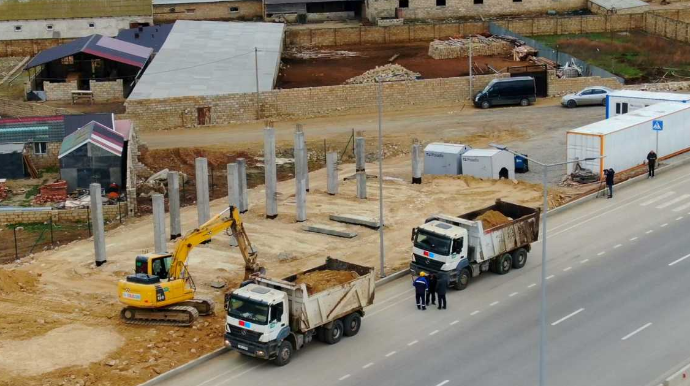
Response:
column 61, row 292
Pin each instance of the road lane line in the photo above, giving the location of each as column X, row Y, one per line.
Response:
column 474, row 313
column 649, row 231
column 600, row 253
column 617, row 246
column 493, row 304
column 663, row 225
column 344, row 377
column 636, row 331
column 443, row 383
column 513, row 294
column 675, row 200
column 531, row 285
column 678, row 261
column 388, row 306
column 657, row 198
column 584, row 261
column 682, row 207
column 679, row 218
column 433, row 332
column 567, row 317
column 550, row 277
column 634, row 238
column 454, row 322
column 368, row 365
column 227, row 380
column 391, row 353
column 233, row 369
column 567, row 269
column 413, row 343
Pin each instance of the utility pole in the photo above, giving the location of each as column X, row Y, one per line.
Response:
column 256, row 71
column 470, row 56
column 381, row 247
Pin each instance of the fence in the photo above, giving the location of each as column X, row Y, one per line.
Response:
column 555, row 55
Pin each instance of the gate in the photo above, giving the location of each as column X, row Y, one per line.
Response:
column 536, row 71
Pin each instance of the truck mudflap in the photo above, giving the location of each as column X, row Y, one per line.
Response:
column 254, row 349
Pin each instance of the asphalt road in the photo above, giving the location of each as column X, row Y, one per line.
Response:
column 617, row 311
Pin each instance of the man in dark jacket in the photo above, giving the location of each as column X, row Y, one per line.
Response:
column 421, row 285
column 431, row 293
column 609, row 180
column 651, row 163
column 441, row 287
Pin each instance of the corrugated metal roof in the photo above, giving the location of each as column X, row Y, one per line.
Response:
column 76, row 121
column 620, row 122
column 619, row 4
column 96, row 134
column 152, row 37
column 662, row 96
column 27, row 129
column 70, row 9
column 97, row 45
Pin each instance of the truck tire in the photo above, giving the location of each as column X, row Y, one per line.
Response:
column 334, row 334
column 284, row 354
column 351, row 324
column 519, row 258
column 504, row 263
column 463, row 279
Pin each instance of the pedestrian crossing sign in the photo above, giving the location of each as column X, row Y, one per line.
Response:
column 657, row 125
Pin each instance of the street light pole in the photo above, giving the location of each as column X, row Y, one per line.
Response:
column 381, row 247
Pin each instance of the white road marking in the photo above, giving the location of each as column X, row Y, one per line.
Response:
column 531, row 285
column 636, row 331
column 493, row 304
column 368, row 365
column 550, row 277
column 413, row 343
column 567, row 317
column 474, row 313
column 600, row 253
column 679, row 218
column 678, row 261
column 433, row 332
column 584, row 261
column 513, row 294
column 567, row 269
column 443, row 383
column 675, row 200
column 344, row 377
column 454, row 322
column 391, row 353
column 634, row 238
column 682, row 207
column 649, row 231
column 657, row 198
column 389, row 306
column 663, row 225
column 231, row 377
column 617, row 246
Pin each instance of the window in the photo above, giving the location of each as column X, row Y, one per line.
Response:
column 621, row 108
column 92, row 24
column 67, row 60
column 49, row 27
column 277, row 312
column 17, row 28
column 517, row 1
column 625, row 108
column 440, row 3
column 403, row 3
column 171, row 10
column 478, row 2
column 40, row 147
column 587, row 92
column 190, row 10
column 234, row 9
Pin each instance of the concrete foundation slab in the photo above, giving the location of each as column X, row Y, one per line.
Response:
column 326, row 230
column 354, row 219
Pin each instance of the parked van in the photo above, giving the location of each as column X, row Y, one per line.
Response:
column 510, row 91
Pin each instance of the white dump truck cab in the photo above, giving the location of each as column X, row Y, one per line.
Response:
column 440, row 247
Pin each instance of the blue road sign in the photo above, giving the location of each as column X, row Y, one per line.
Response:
column 657, row 125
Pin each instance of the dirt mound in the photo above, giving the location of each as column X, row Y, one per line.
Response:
column 492, row 219
column 318, row 281
column 13, row 281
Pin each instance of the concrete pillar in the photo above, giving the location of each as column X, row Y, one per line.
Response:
column 306, row 158
column 97, row 225
column 174, row 203
column 361, row 174
column 270, row 177
column 416, row 164
column 233, row 186
column 332, row 172
column 202, row 201
column 300, row 177
column 242, row 173
column 158, row 204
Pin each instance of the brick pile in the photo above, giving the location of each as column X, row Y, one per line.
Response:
column 55, row 192
column 460, row 47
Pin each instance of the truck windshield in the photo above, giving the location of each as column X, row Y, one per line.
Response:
column 248, row 310
column 432, row 243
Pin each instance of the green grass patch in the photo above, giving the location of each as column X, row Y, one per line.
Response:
column 32, row 192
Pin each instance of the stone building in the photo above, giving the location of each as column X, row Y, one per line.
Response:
column 167, row 11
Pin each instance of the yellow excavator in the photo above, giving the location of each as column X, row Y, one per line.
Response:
column 161, row 291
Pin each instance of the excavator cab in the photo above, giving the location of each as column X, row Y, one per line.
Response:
column 151, row 268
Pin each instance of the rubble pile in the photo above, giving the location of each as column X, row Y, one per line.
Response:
column 314, row 53
column 3, row 189
column 460, row 47
column 54, row 192
column 387, row 73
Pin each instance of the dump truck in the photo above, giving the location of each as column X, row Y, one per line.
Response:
column 462, row 248
column 272, row 318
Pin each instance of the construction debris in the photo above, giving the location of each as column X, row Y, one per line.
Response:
column 315, row 53
column 387, row 73
column 460, row 47
column 318, row 281
column 492, row 219
column 582, row 175
column 523, row 53
column 55, row 192
column 3, row 189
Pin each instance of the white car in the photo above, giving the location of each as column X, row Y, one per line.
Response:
column 589, row 96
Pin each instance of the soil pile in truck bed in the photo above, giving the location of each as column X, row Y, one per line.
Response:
column 318, row 281
column 492, row 219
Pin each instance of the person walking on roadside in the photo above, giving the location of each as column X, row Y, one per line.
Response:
column 441, row 287
column 651, row 163
column 609, row 180
column 421, row 285
column 431, row 293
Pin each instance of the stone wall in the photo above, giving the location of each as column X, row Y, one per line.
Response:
column 28, row 47
column 562, row 86
column 428, row 9
column 599, row 10
column 59, row 91
column 107, row 90
column 667, row 27
column 222, row 10
column 441, row 49
column 682, row 14
column 14, row 108
column 47, row 160
column 110, row 212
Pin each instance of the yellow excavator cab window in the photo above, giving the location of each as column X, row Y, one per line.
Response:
column 160, row 266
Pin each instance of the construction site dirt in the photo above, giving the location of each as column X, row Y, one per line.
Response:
column 297, row 72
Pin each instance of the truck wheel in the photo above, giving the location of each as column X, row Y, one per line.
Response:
column 519, row 258
column 351, row 324
column 463, row 279
column 504, row 264
column 334, row 334
column 284, row 354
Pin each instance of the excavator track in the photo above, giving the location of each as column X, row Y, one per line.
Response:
column 204, row 306
column 167, row 316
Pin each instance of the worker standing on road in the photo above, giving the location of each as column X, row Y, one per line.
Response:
column 651, row 163
column 421, row 285
column 441, row 287
column 609, row 180
column 431, row 293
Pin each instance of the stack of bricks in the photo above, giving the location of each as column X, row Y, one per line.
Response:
column 55, row 192
column 3, row 189
column 458, row 48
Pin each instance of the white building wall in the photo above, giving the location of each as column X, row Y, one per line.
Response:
column 67, row 28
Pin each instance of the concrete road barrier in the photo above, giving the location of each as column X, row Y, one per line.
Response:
column 679, row 378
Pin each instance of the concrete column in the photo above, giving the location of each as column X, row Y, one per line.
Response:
column 233, row 186
column 158, row 203
column 97, row 225
column 306, row 157
column 300, row 177
column 242, row 173
column 174, row 203
column 361, row 174
column 271, row 179
column 332, row 172
column 202, row 201
column 416, row 164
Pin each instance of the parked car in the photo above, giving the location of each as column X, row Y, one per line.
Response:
column 587, row 97
column 520, row 90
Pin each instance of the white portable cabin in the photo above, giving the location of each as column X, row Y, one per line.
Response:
column 488, row 163
column 444, row 158
column 624, row 101
column 625, row 140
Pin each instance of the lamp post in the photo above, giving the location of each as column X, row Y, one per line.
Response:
column 379, row 92
column 542, row 313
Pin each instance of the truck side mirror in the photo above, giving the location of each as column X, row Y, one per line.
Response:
column 414, row 233
column 226, row 302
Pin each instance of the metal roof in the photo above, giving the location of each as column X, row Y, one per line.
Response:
column 619, row 4
column 32, row 129
column 76, row 121
column 624, row 121
column 96, row 134
column 213, row 58
column 70, row 9
column 661, row 96
column 448, row 148
column 152, row 37
column 482, row 153
column 97, row 45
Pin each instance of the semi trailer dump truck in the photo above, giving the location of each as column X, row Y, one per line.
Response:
column 272, row 318
column 462, row 247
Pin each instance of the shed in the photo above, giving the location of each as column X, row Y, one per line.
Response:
column 11, row 161
column 607, row 7
column 624, row 101
column 488, row 163
column 444, row 158
column 92, row 154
